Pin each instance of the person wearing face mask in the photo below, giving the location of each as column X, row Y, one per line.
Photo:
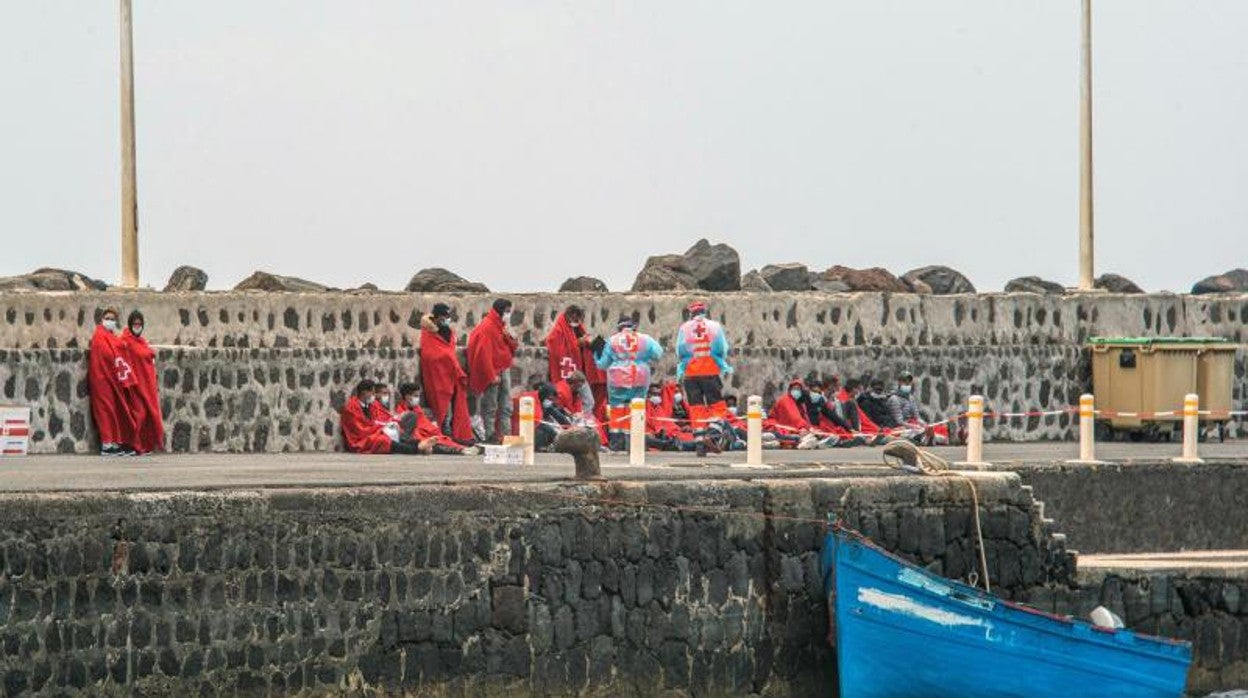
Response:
column 110, row 383
column 361, row 432
column 149, row 423
column 444, row 382
column 875, row 404
column 416, row 425
column 626, row 358
column 823, row 415
column 902, row 405
column 491, row 351
column 570, row 348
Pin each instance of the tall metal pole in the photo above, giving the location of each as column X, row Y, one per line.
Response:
column 1086, row 267
column 129, row 201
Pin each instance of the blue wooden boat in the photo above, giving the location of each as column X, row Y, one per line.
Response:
column 903, row 631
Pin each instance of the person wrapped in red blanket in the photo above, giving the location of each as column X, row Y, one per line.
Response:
column 414, row 423
column 110, row 383
column 791, row 417
column 491, row 351
column 569, row 348
column 149, row 432
column 444, row 382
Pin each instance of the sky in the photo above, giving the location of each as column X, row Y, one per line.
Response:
column 520, row 143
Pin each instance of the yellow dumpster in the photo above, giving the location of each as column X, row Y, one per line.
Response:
column 1140, row 382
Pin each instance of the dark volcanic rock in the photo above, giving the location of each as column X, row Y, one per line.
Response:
column 49, row 279
column 1115, row 283
column 716, row 267
column 1033, row 284
column 186, row 278
column 787, row 277
column 1233, row 281
column 917, row 285
column 666, row 272
column 264, row 281
column 942, row 280
column 873, row 279
column 754, row 281
column 438, row 280
column 583, row 284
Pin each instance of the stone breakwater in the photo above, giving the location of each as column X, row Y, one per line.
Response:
column 447, row 590
column 267, row 371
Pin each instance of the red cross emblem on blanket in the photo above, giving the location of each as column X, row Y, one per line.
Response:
column 566, row 367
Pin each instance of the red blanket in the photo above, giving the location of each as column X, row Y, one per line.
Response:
column 110, row 379
column 787, row 413
column 145, row 397
column 444, row 382
column 565, row 354
column 425, row 428
column 360, row 432
column 490, row 352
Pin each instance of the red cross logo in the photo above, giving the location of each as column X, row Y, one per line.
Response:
column 123, row 369
column 566, row 367
column 628, row 342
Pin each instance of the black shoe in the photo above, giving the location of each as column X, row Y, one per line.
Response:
column 700, row 448
column 112, row 450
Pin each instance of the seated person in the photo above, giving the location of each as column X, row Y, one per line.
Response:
column 362, row 433
column 790, row 416
column 874, row 403
column 845, row 403
column 730, row 402
column 824, row 417
column 576, row 397
column 413, row 422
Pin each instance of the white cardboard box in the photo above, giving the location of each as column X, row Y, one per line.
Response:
column 14, row 430
column 504, row 455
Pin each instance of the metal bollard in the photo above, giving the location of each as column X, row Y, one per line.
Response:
column 528, row 427
column 975, row 430
column 1191, row 429
column 754, row 431
column 637, row 432
column 1087, row 428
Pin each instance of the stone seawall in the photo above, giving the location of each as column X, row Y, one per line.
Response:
column 266, row 372
column 449, row 590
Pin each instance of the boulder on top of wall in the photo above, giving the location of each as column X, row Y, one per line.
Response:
column 943, row 280
column 872, row 279
column 790, row 276
column 187, row 278
column 754, row 281
column 439, row 280
column 666, row 272
column 264, row 281
column 1115, row 283
column 1233, row 281
column 583, row 284
column 50, row 279
column 1033, row 284
column 715, row 267
column 917, row 286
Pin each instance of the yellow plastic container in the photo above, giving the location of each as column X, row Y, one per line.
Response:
column 1140, row 382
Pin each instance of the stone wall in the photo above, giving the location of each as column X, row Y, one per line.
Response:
column 450, row 590
column 303, row 350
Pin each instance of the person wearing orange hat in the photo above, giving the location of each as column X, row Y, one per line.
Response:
column 701, row 353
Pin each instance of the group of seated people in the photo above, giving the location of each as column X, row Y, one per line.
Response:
column 818, row 414
column 808, row 415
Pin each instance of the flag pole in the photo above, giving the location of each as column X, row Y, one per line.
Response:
column 129, row 199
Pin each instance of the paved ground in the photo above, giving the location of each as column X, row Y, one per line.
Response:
column 48, row 473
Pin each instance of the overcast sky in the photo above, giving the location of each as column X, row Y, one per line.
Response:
column 519, row 143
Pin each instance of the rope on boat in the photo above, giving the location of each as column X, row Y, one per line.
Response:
column 906, row 456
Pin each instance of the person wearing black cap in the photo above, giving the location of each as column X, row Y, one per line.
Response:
column 444, row 381
column 626, row 358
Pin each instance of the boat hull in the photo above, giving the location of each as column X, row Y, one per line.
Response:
column 902, row 631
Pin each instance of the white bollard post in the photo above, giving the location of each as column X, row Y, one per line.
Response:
column 754, row 431
column 1191, row 429
column 1087, row 428
column 528, row 427
column 637, row 432
column 975, row 430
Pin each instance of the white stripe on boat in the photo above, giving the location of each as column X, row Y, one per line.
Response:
column 896, row 603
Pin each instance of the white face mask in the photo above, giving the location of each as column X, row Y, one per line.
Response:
column 413, row 402
column 367, row 401
column 678, row 398
column 732, row 411
column 795, row 394
column 385, row 400
column 110, row 324
column 655, row 400
column 507, row 318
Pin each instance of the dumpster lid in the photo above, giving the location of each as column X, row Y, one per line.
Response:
column 1148, row 341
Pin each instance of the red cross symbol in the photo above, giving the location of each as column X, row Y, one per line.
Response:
column 123, row 369
column 566, row 367
column 628, row 342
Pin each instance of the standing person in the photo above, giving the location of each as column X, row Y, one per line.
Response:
column 491, row 351
column 626, row 358
column 569, row 348
column 110, row 381
column 702, row 351
column 444, row 382
column 149, row 423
